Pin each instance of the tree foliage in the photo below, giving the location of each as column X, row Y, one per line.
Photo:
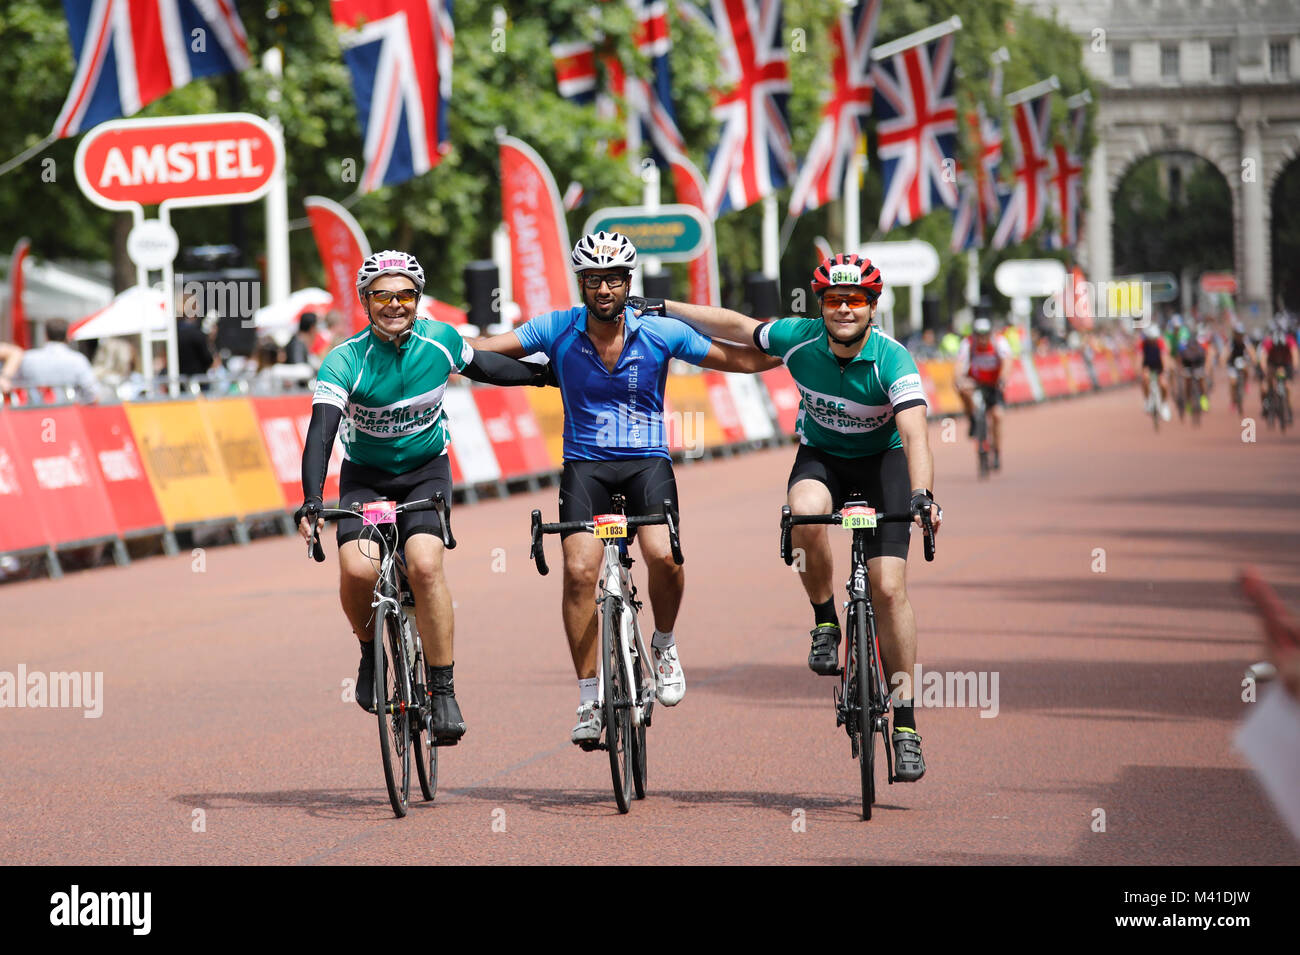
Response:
column 503, row 77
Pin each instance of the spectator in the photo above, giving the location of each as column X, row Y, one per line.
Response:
column 115, row 360
column 298, row 351
column 193, row 353
column 53, row 365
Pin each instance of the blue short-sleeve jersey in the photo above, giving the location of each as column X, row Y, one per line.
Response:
column 619, row 414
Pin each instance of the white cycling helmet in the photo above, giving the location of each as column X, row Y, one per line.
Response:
column 982, row 326
column 388, row 262
column 603, row 250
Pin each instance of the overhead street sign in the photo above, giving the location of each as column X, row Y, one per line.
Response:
column 911, row 262
column 674, row 233
column 1029, row 278
column 1218, row 283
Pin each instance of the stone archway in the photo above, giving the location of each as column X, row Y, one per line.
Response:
column 1284, row 210
column 1249, row 136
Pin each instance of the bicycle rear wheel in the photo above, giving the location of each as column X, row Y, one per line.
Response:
column 861, row 664
column 392, row 703
column 617, row 707
column 422, row 742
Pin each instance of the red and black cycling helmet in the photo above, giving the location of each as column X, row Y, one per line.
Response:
column 848, row 269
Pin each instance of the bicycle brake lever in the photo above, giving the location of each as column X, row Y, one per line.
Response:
column 536, row 552
column 786, row 555
column 674, row 541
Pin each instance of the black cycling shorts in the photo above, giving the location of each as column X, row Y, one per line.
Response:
column 587, row 486
column 359, row 484
column 993, row 397
column 879, row 479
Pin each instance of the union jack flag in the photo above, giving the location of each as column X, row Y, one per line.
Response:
column 1067, row 183
column 1024, row 211
column 982, row 196
column 399, row 52
column 844, row 115
column 130, row 52
column 916, row 128
column 753, row 156
column 650, row 117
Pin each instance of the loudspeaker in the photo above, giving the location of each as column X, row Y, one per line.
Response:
column 482, row 280
column 929, row 313
column 231, row 297
column 762, row 295
column 658, row 286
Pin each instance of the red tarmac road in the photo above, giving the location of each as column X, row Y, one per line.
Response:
column 1094, row 577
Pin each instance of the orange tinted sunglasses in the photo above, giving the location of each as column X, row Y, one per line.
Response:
column 851, row 299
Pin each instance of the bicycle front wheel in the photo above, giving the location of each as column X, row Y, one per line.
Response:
column 392, row 703
column 617, row 708
column 861, row 664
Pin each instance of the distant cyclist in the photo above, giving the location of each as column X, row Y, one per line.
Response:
column 862, row 429
column 1278, row 356
column 612, row 367
column 1191, row 354
column 1153, row 368
column 388, row 381
column 983, row 362
column 1240, row 359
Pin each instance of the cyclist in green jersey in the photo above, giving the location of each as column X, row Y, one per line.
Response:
column 388, row 381
column 862, row 429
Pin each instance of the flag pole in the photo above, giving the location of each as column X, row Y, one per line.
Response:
column 771, row 237
column 853, row 171
column 886, row 50
column 277, row 198
column 1036, row 89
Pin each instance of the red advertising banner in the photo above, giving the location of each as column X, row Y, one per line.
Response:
column 57, row 463
column 1103, row 363
column 1127, row 363
column 20, row 508
column 1052, row 375
column 121, row 469
column 512, row 429
column 1016, row 388
column 180, row 160
column 701, row 269
column 724, row 407
column 539, row 237
column 278, row 420
column 343, row 247
column 785, row 397
column 1077, row 370
column 17, row 316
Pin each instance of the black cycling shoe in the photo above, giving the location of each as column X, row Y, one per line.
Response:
column 909, row 764
column 365, row 690
column 824, row 657
column 448, row 724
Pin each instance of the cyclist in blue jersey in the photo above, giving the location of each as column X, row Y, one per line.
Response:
column 612, row 366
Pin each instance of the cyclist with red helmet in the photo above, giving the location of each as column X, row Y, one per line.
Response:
column 862, row 428
column 982, row 362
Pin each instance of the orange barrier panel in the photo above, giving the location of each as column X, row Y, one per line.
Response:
column 121, row 468
column 182, row 462
column 238, row 438
column 942, row 375
column 548, row 410
column 690, row 424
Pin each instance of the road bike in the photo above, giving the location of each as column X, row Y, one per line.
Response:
column 1194, row 391
column 402, row 703
column 625, row 684
column 1276, row 399
column 861, row 699
column 1237, row 375
column 986, row 459
column 1153, row 397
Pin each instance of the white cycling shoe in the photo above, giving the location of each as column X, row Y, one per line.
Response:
column 589, row 724
column 670, row 680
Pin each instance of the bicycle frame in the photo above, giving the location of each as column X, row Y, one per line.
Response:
column 616, row 583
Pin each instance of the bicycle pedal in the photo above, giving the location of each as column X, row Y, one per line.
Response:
column 590, row 745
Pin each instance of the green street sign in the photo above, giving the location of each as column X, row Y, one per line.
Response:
column 673, row 233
